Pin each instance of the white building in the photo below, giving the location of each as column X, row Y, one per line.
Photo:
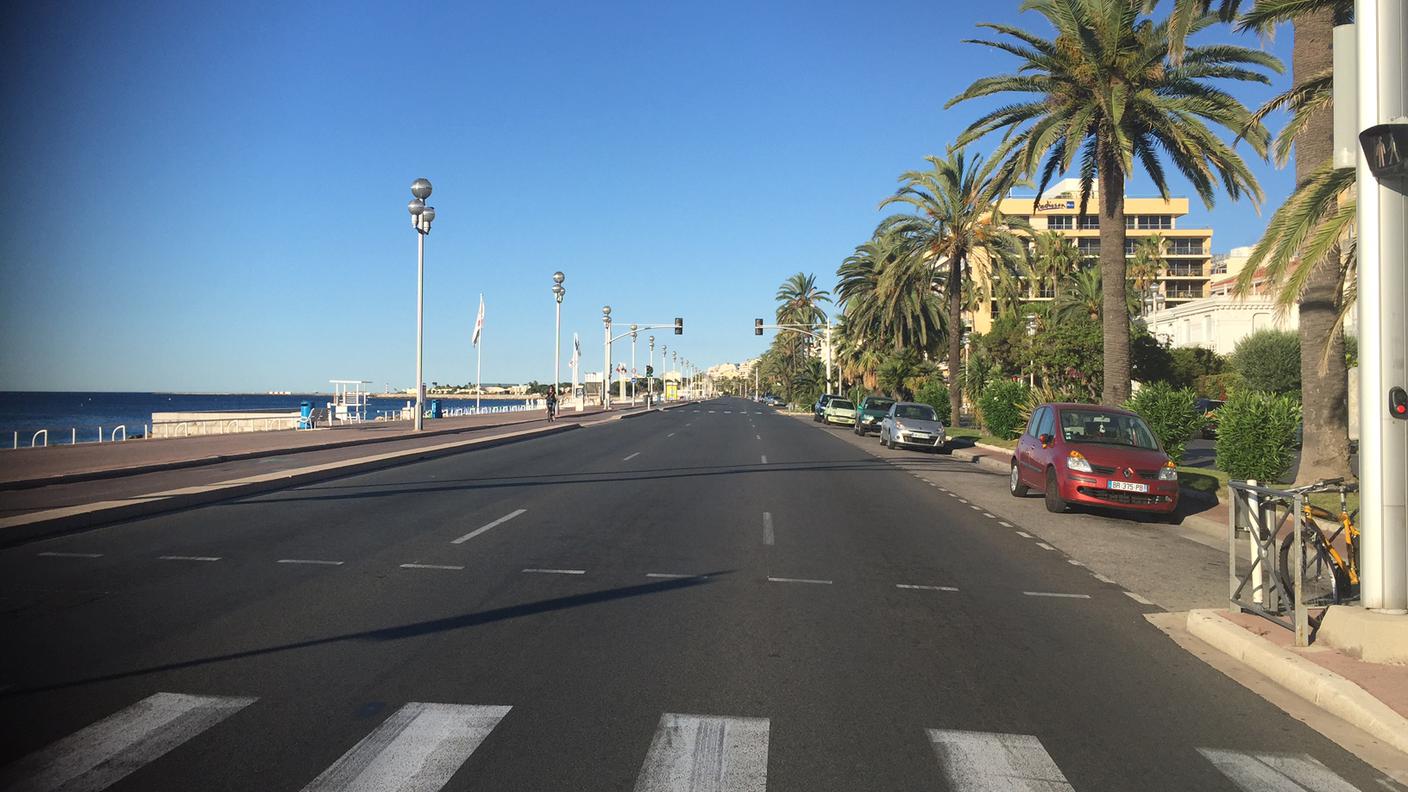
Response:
column 1222, row 319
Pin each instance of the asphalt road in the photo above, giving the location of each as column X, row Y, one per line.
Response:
column 711, row 598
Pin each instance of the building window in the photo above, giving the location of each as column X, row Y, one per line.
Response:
column 1089, row 222
column 1088, row 247
column 1156, row 222
column 1061, row 222
column 1185, row 247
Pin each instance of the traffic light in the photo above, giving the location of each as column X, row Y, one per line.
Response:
column 679, row 325
column 757, row 327
column 1398, row 403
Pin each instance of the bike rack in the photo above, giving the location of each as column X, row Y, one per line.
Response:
column 33, row 441
column 112, row 438
column 1258, row 512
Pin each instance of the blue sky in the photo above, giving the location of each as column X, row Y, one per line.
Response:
column 209, row 197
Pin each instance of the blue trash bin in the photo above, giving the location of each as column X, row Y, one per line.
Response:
column 435, row 408
column 305, row 415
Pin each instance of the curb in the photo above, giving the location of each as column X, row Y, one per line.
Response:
column 30, row 527
column 157, row 467
column 1323, row 688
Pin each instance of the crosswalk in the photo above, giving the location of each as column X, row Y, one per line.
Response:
column 421, row 745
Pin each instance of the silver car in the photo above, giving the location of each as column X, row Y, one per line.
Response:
column 912, row 425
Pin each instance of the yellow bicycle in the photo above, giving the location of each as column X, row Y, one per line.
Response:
column 1328, row 576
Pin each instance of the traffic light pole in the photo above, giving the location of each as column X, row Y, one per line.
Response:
column 824, row 338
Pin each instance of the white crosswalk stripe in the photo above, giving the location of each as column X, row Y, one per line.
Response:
column 703, row 753
column 417, row 749
column 1267, row 772
column 993, row 762
column 98, row 756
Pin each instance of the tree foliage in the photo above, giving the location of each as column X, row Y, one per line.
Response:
column 1269, row 360
column 1256, row 434
column 1172, row 414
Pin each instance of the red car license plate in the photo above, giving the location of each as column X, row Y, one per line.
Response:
column 1129, row 486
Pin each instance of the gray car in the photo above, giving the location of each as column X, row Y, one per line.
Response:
column 912, row 425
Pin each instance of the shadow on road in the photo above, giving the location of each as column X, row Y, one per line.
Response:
column 403, row 631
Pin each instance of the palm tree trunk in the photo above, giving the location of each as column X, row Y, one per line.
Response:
column 1324, row 380
column 955, row 338
column 1115, row 321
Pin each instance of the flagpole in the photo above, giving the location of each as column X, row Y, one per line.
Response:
column 478, row 383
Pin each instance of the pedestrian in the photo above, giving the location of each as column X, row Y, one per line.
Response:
column 551, row 400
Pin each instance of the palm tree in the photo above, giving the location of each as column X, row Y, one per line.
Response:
column 1104, row 89
column 799, row 301
column 888, row 293
column 1056, row 259
column 1307, row 252
column 1083, row 296
column 956, row 225
column 1145, row 267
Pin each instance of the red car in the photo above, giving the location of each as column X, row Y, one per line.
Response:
column 1095, row 456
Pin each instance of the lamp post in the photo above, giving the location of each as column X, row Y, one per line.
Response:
column 606, row 359
column 557, row 292
column 650, row 374
column 633, row 365
column 421, row 218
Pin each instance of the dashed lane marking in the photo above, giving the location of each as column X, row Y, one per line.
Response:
column 671, row 434
column 798, row 580
column 769, row 537
column 1024, row 534
column 188, row 558
column 632, row 456
column 925, row 588
column 481, row 529
column 669, row 575
column 537, row 571
column 1044, row 546
column 990, row 516
column 1055, row 594
column 765, row 459
column 1074, row 562
column 313, row 561
column 450, row 567
column 1004, row 523
column 51, row 554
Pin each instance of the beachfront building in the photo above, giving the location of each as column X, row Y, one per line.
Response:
column 1188, row 266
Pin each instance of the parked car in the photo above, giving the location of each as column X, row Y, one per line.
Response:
column 912, row 425
column 1208, row 407
column 819, row 408
column 1095, row 456
column 871, row 412
column 840, row 411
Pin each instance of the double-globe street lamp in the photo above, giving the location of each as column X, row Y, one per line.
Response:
column 421, row 218
column 558, row 290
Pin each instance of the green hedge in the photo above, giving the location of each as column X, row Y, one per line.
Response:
column 1269, row 360
column 1172, row 413
column 1001, row 405
column 1256, row 434
column 935, row 394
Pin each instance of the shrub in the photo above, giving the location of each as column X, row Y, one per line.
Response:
column 1172, row 414
column 1191, row 363
column 1002, row 404
column 935, row 394
column 1218, row 386
column 1269, row 360
column 1256, row 434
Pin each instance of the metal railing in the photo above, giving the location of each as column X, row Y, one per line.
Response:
column 40, row 439
column 1260, row 513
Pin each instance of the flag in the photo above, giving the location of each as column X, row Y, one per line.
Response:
column 576, row 350
column 478, row 322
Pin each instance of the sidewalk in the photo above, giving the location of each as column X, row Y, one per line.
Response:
column 87, row 486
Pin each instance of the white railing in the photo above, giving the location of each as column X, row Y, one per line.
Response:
column 118, row 434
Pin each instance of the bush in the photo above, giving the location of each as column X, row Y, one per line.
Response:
column 1269, row 360
column 1191, row 363
column 1218, row 386
column 935, row 394
column 1256, row 434
column 1001, row 404
column 1172, row 413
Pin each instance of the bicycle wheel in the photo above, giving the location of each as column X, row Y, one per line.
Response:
column 1322, row 581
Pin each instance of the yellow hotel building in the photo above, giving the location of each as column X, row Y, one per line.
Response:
column 1187, row 251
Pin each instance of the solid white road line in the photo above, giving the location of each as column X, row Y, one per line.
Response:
column 1024, row 534
column 70, row 555
column 765, row 459
column 1266, row 772
column 537, row 571
column 983, row 762
column 632, row 456
column 417, row 749
column 98, row 756
column 799, row 580
column 925, row 588
column 188, row 558
column 699, row 753
column 1137, row 598
column 308, row 561
column 484, row 528
column 432, row 566
column 768, row 536
column 1055, row 594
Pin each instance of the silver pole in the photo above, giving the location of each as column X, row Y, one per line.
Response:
column 420, row 330
column 633, row 369
column 1383, row 321
column 606, row 370
column 829, row 389
column 557, row 351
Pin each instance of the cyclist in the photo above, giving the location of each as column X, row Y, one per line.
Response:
column 551, row 399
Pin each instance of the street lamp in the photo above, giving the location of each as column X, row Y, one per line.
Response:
column 557, row 291
column 421, row 218
column 606, row 359
column 650, row 374
column 633, row 368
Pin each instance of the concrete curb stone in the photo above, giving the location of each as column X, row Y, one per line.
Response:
column 1323, row 688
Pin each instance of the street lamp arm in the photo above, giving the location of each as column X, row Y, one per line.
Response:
column 640, row 327
column 803, row 329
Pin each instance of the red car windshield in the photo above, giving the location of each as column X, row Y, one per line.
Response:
column 1096, row 426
